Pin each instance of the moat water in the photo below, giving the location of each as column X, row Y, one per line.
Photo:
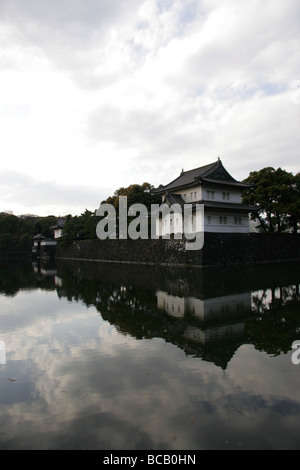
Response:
column 125, row 357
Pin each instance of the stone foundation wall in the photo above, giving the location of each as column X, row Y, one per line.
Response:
column 218, row 249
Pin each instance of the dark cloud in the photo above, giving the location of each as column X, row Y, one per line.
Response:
column 65, row 17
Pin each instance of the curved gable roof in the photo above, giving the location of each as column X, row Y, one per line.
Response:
column 212, row 173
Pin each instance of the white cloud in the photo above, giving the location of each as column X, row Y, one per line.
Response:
column 99, row 94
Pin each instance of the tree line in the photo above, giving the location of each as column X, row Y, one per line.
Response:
column 84, row 226
column 274, row 193
column 17, row 232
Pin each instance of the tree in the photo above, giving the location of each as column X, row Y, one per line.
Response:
column 9, row 224
column 43, row 225
column 27, row 224
column 80, row 227
column 275, row 193
column 25, row 242
column 293, row 207
column 135, row 193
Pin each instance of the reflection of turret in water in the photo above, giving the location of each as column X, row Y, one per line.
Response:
column 226, row 318
column 206, row 313
column 219, row 317
column 203, row 308
column 212, row 328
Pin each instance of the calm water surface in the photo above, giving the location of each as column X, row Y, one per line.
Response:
column 121, row 357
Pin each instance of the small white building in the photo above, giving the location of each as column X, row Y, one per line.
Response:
column 214, row 188
column 58, row 228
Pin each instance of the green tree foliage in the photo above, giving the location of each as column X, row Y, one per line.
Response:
column 9, row 224
column 28, row 224
column 135, row 193
column 25, row 242
column 16, row 232
column 83, row 227
column 9, row 232
column 80, row 227
column 276, row 194
column 43, row 225
column 293, row 216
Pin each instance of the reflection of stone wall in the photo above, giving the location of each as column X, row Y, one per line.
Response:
column 47, row 249
column 219, row 249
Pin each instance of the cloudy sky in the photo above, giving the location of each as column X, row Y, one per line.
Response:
column 99, row 94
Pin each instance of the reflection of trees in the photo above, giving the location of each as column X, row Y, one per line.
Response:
column 131, row 310
column 276, row 326
column 271, row 325
column 125, row 296
column 19, row 274
column 262, row 304
column 12, row 278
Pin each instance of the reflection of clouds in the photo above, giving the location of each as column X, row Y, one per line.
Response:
column 105, row 373
column 2, row 352
column 26, row 309
column 249, row 366
column 81, row 384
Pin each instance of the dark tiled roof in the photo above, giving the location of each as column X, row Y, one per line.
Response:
column 39, row 236
column 59, row 224
column 211, row 173
column 174, row 199
column 226, row 182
